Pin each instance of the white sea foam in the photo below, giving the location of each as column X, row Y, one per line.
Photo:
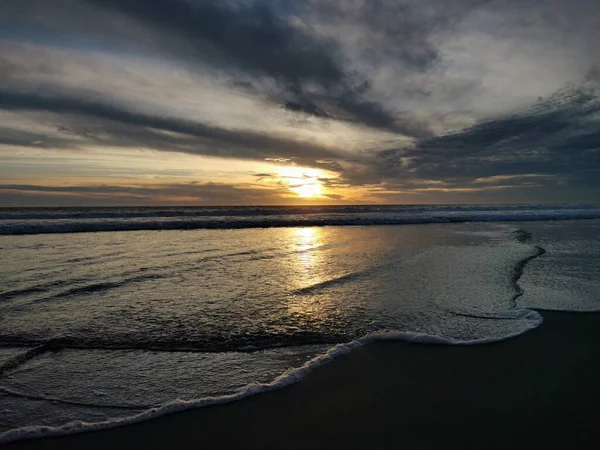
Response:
column 289, row 377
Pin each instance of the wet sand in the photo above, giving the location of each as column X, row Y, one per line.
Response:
column 540, row 390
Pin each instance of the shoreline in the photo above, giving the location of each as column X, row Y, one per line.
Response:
column 538, row 389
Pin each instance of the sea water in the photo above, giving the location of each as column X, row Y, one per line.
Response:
column 113, row 327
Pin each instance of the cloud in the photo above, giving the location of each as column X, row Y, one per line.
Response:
column 558, row 136
column 103, row 124
column 252, row 39
column 249, row 35
column 23, row 138
column 554, row 145
column 423, row 97
column 555, row 142
column 253, row 43
column 169, row 193
column 334, row 196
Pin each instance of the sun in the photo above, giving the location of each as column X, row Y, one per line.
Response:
column 304, row 182
column 308, row 190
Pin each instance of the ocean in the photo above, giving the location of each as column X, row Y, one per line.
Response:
column 115, row 315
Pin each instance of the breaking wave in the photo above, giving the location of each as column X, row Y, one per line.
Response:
column 65, row 220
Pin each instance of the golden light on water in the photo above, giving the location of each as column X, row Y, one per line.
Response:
column 312, row 265
column 310, row 268
column 304, row 182
column 306, row 237
column 307, row 260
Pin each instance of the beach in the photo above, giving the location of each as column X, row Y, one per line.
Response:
column 319, row 224
column 417, row 336
column 539, row 390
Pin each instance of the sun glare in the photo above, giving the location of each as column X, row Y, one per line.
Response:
column 305, row 183
column 309, row 190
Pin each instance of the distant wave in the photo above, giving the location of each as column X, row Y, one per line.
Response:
column 228, row 211
column 68, row 220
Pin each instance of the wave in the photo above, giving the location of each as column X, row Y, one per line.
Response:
column 48, row 398
column 20, row 222
column 532, row 318
column 235, row 211
column 237, row 343
column 289, row 377
column 210, row 344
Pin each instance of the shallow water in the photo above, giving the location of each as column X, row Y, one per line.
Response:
column 125, row 321
column 567, row 278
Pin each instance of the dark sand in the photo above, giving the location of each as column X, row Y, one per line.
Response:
column 540, row 390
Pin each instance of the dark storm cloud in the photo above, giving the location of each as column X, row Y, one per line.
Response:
column 107, row 125
column 250, row 35
column 246, row 40
column 558, row 136
column 253, row 38
column 556, row 141
column 261, row 39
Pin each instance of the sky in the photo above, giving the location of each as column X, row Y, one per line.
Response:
column 242, row 102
